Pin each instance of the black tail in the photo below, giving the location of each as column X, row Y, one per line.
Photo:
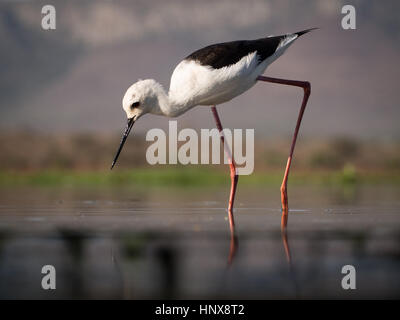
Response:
column 300, row 33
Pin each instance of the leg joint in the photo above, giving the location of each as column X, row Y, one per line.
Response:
column 307, row 87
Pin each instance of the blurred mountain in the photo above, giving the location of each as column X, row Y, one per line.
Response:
column 72, row 79
column 30, row 59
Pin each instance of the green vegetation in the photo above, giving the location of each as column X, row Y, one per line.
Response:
column 34, row 159
column 187, row 177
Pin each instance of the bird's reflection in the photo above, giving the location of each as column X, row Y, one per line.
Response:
column 234, row 241
column 234, row 244
column 286, row 247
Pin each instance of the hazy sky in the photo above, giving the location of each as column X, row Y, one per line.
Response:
column 73, row 78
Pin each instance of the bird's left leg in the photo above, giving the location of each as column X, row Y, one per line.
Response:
column 234, row 176
column 305, row 85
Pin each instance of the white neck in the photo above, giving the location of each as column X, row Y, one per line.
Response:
column 170, row 104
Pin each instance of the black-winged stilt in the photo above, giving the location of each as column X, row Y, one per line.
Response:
column 211, row 76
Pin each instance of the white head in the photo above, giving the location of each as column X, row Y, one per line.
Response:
column 144, row 96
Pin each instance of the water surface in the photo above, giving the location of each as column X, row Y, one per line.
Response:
column 128, row 243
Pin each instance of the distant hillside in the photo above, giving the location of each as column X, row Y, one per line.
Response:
column 30, row 58
column 72, row 79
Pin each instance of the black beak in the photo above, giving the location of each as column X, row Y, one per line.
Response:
column 129, row 126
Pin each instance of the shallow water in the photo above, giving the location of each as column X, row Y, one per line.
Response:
column 176, row 243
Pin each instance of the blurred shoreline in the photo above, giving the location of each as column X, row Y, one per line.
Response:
column 32, row 158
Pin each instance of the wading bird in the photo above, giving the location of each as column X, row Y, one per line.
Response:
column 211, row 76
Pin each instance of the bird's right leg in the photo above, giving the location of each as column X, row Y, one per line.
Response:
column 234, row 176
column 305, row 85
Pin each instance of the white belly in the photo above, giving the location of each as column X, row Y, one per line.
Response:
column 194, row 84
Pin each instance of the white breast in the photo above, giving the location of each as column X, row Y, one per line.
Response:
column 194, row 84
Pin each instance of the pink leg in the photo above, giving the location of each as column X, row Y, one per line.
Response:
column 307, row 90
column 234, row 176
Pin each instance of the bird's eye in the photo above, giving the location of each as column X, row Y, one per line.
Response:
column 135, row 104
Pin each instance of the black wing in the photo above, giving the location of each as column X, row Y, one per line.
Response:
column 224, row 54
